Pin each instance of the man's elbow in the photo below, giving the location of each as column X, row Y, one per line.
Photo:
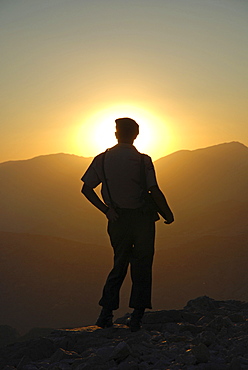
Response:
column 85, row 189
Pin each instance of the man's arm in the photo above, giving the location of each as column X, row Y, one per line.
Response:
column 91, row 195
column 162, row 204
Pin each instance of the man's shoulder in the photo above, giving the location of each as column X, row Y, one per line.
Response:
column 100, row 155
column 97, row 160
column 145, row 155
column 147, row 158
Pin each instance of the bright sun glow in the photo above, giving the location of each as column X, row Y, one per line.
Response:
column 98, row 131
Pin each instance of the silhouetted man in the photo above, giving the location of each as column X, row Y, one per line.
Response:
column 127, row 178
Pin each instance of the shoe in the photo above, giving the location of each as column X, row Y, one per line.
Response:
column 105, row 319
column 134, row 325
column 134, row 322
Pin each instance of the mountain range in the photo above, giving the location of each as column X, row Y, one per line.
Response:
column 55, row 250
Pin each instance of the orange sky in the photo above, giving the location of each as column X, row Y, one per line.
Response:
column 68, row 68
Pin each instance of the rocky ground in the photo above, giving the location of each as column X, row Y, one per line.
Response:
column 206, row 335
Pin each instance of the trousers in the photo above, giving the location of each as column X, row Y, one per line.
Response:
column 132, row 238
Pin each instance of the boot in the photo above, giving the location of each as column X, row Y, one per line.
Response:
column 134, row 322
column 105, row 318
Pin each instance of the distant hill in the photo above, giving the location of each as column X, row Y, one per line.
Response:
column 55, row 253
column 207, row 190
column 204, row 187
column 42, row 196
column 205, row 176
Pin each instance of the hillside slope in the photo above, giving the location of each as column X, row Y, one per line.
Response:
column 53, row 282
column 42, row 195
column 50, row 282
column 55, row 252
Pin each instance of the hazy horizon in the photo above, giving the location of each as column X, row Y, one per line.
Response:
column 56, row 251
column 91, row 157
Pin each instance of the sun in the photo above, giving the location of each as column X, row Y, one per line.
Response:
column 98, row 131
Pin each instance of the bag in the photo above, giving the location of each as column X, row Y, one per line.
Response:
column 149, row 201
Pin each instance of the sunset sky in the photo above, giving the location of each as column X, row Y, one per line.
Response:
column 70, row 67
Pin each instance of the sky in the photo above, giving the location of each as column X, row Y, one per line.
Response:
column 68, row 68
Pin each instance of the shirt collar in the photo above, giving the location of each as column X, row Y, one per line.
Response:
column 125, row 145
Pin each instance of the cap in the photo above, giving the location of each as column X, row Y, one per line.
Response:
column 127, row 125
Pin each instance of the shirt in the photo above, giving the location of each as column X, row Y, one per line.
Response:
column 122, row 166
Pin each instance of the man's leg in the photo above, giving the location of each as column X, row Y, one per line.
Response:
column 120, row 236
column 141, row 265
column 141, row 268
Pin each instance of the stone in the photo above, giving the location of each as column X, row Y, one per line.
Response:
column 200, row 304
column 187, row 358
column 24, row 361
column 121, row 351
column 130, row 365
column 105, row 352
column 163, row 316
column 201, row 353
column 162, row 363
column 40, row 348
column 220, row 322
column 193, row 329
column 62, row 354
column 236, row 317
column 206, row 335
column 235, row 364
column 144, row 366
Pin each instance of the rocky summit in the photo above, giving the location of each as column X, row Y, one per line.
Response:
column 206, row 334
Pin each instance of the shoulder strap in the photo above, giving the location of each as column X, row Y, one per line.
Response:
column 105, row 179
column 143, row 173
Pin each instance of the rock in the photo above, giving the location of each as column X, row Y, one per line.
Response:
column 40, row 348
column 163, row 316
column 236, row 317
column 205, row 335
column 187, row 358
column 120, row 352
column 24, row 361
column 144, row 366
column 193, row 329
column 62, row 354
column 128, row 364
column 122, row 320
column 105, row 352
column 162, row 363
column 235, row 364
column 201, row 353
column 219, row 322
column 201, row 304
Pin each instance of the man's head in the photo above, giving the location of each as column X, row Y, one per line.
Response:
column 126, row 130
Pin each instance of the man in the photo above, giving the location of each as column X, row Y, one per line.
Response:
column 126, row 177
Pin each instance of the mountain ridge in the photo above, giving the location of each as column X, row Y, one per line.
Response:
column 236, row 143
column 42, row 195
column 43, row 208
